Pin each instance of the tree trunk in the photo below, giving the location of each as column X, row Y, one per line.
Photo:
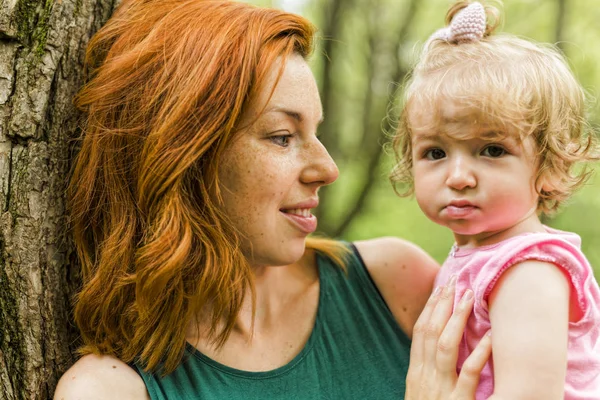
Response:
column 560, row 24
column 42, row 43
column 381, row 66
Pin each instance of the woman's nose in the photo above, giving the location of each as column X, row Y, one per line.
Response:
column 321, row 168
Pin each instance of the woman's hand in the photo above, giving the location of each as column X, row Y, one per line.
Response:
column 434, row 351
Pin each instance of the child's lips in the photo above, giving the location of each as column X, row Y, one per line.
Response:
column 461, row 203
column 460, row 211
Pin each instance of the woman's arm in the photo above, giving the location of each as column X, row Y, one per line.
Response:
column 100, row 378
column 403, row 274
column 434, row 351
column 529, row 313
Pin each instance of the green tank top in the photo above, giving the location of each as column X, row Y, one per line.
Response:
column 355, row 351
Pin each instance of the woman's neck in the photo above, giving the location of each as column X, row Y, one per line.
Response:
column 287, row 300
column 276, row 290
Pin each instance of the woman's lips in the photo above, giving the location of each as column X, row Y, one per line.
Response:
column 305, row 224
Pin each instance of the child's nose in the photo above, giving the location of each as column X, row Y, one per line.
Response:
column 461, row 174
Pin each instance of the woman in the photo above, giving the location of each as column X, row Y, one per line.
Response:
column 191, row 201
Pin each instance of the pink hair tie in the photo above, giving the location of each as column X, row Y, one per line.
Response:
column 468, row 25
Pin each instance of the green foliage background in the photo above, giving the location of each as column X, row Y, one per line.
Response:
column 386, row 214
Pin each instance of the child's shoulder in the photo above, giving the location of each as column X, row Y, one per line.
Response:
column 528, row 245
column 553, row 247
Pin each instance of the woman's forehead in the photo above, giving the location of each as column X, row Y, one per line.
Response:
column 289, row 90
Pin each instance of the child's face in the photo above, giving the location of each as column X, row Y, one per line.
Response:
column 477, row 187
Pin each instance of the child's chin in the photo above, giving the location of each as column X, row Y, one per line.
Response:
column 466, row 230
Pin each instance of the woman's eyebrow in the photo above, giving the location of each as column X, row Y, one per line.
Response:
column 296, row 115
column 290, row 113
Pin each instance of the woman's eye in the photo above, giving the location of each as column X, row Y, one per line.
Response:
column 281, row 140
column 435, row 154
column 494, row 151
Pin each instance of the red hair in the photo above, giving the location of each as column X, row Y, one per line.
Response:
column 169, row 80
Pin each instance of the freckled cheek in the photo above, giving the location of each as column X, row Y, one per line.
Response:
column 255, row 179
column 244, row 181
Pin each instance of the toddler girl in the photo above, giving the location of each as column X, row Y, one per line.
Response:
column 491, row 130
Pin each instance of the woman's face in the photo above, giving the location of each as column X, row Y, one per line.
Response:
column 270, row 174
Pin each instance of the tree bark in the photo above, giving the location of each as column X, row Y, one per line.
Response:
column 42, row 44
column 375, row 123
column 560, row 24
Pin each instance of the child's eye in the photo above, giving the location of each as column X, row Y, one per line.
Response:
column 435, row 154
column 494, row 151
column 281, row 140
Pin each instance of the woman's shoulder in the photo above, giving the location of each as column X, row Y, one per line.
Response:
column 390, row 248
column 100, row 377
column 403, row 273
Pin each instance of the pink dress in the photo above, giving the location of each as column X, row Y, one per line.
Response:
column 480, row 268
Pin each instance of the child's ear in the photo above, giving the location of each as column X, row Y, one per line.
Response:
column 543, row 184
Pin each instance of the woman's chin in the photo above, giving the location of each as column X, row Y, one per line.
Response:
column 287, row 254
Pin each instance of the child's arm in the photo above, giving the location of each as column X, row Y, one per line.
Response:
column 529, row 313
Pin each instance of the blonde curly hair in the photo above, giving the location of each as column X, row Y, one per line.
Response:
column 518, row 86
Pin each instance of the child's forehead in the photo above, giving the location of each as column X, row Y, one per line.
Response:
column 451, row 118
